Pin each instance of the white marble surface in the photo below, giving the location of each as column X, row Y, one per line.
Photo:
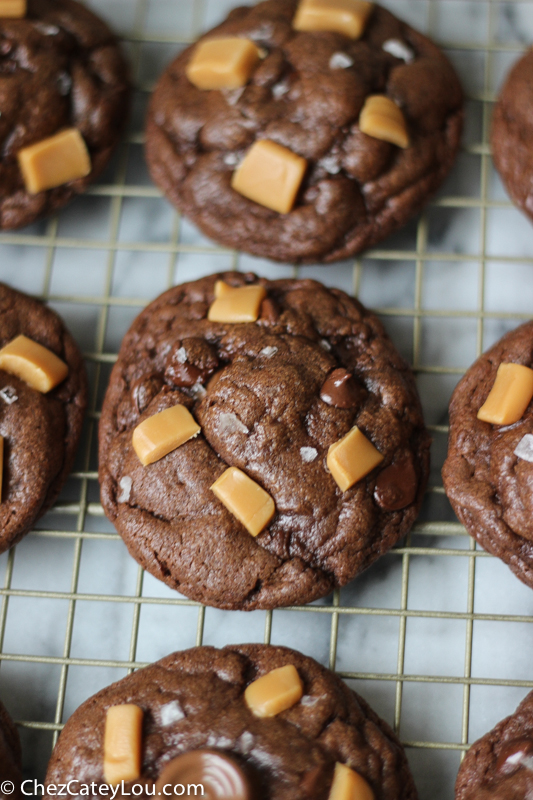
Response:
column 473, row 255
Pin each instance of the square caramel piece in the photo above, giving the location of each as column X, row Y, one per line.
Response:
column 270, row 175
column 382, row 119
column 54, row 161
column 245, row 499
column 349, row 785
column 510, row 395
column 341, row 16
column 351, row 458
column 242, row 304
column 274, row 692
column 222, row 288
column 123, row 743
column 160, row 434
column 33, row 363
column 223, row 63
column 13, row 8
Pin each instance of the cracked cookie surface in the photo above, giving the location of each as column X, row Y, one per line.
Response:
column 512, row 129
column 487, row 483
column 255, row 390
column 195, row 699
column 499, row 766
column 307, row 95
column 41, row 431
column 60, row 67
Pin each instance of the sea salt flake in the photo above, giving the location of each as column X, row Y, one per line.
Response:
column 46, row 30
column 231, row 159
column 331, row 164
column 263, row 33
column 64, row 82
column 181, row 356
column 524, row 449
column 308, row 454
column 170, row 713
column 220, row 742
column 246, row 742
column 233, row 95
column 325, row 345
column 309, row 701
column 125, row 484
column 280, row 89
column 230, row 423
column 269, row 351
column 9, row 395
column 198, row 391
column 340, row 61
column 527, row 762
column 399, row 49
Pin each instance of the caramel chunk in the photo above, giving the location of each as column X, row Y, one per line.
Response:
column 223, row 63
column 274, row 692
column 270, row 175
column 54, row 161
column 237, row 305
column 123, row 743
column 349, row 785
column 31, row 362
column 382, row 119
column 351, row 458
column 245, row 499
column 342, row 16
column 222, row 288
column 13, row 8
column 510, row 395
column 163, row 432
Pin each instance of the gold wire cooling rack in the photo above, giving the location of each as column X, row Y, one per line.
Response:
column 436, row 635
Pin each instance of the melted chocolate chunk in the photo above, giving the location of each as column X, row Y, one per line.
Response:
column 220, row 775
column 269, row 311
column 397, row 485
column 340, row 389
column 191, row 361
column 145, row 389
column 515, row 754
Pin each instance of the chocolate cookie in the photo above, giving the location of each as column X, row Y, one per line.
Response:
column 60, row 68
column 267, row 399
column 488, row 474
column 39, row 429
column 10, row 755
column 199, row 709
column 512, row 132
column 307, row 95
column 500, row 765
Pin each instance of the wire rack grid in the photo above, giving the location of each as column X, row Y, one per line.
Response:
column 437, row 634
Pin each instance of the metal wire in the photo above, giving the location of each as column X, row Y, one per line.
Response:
column 77, row 520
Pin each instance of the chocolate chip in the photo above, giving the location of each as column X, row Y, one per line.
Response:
column 340, row 389
column 269, row 311
column 145, row 389
column 191, row 361
column 397, row 485
column 220, row 774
